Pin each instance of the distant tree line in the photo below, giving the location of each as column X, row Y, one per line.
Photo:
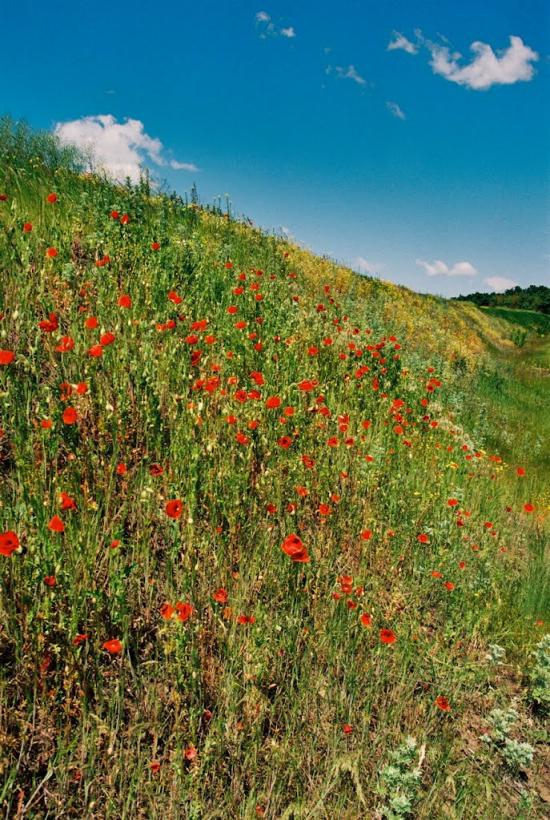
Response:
column 535, row 297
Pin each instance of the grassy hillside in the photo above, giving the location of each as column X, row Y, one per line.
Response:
column 263, row 520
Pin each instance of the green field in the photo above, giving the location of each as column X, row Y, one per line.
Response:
column 263, row 520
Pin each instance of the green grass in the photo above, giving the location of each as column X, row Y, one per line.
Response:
column 399, row 404
column 526, row 321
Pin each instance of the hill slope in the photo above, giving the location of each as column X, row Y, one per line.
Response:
column 256, row 527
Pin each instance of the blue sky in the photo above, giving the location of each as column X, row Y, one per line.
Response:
column 431, row 169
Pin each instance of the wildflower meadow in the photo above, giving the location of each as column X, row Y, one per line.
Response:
column 273, row 535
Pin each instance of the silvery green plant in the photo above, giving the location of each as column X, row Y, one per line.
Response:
column 400, row 780
column 540, row 675
column 496, row 654
column 515, row 754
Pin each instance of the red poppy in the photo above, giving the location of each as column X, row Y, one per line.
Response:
column 520, row 471
column 66, row 502
column 70, row 415
column 174, row 508
column 284, row 442
column 246, row 619
column 46, row 424
column 220, row 596
column 9, row 543
column 387, row 636
column 443, row 704
column 113, row 646
column 347, row 728
column 190, row 753
column 56, row 524
column 27, row 227
column 80, row 638
column 107, row 339
column 174, row 297
column 51, row 198
column 294, row 548
column 155, row 246
column 65, row 345
column 50, row 580
column 166, row 611
column 366, row 619
column 6, row 357
column 50, row 324
column 528, row 508
column 115, row 214
column 95, row 351
column 124, row 219
column 273, row 402
column 52, row 253
column 449, row 585
column 423, row 538
column 91, row 323
column 184, row 611
column 124, row 301
column 452, row 502
column 366, row 534
column 307, row 384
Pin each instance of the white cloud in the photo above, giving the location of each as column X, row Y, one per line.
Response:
column 267, row 28
column 486, row 68
column 349, row 73
column 120, row 149
column 400, row 42
column 499, row 283
column 440, row 268
column 394, row 109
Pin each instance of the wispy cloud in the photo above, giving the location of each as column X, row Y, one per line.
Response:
column 365, row 266
column 399, row 41
column 346, row 73
column 499, row 283
column 121, row 149
column 485, row 69
column 267, row 28
column 394, row 109
column 440, row 268
column 182, row 166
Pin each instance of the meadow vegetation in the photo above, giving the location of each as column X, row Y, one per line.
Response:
column 262, row 520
